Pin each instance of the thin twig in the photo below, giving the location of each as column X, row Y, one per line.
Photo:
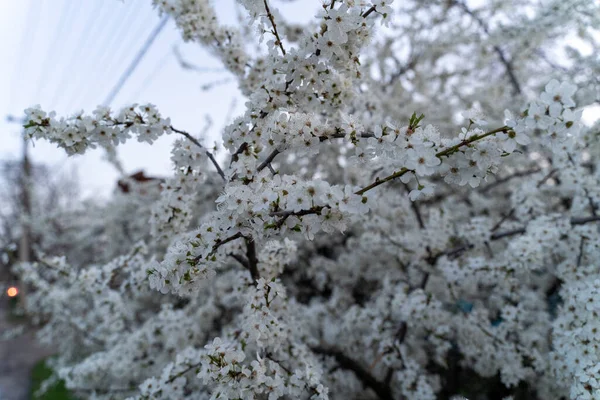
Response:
column 507, row 63
column 274, row 26
column 415, row 207
column 581, row 248
column 502, row 220
column 368, row 12
column 501, row 181
column 285, row 214
column 252, row 259
column 545, row 178
column 384, row 392
column 241, row 260
column 235, row 156
column 208, row 153
column 185, row 371
column 268, row 160
column 512, row 232
column 379, row 181
column 444, row 153
column 220, row 243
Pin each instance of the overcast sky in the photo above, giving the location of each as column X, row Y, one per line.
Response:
column 67, row 55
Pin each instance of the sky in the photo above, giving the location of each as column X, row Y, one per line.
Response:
column 66, row 55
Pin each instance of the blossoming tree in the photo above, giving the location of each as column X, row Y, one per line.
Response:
column 361, row 240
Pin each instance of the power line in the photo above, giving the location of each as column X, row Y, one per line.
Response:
column 121, row 37
column 155, row 70
column 89, row 56
column 103, row 35
column 83, row 40
column 66, row 12
column 61, row 52
column 26, row 41
column 140, row 55
column 123, row 49
column 120, row 34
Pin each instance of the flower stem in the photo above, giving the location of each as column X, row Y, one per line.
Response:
column 443, row 153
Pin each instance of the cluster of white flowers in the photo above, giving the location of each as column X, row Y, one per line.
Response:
column 173, row 213
column 577, row 339
column 80, row 132
column 553, row 114
column 198, row 22
column 348, row 247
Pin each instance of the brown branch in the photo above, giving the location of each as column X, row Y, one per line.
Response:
column 252, row 259
column 48, row 265
column 368, row 12
column 404, row 69
column 241, row 260
column 383, row 391
column 235, row 156
column 502, row 220
column 417, row 211
column 501, row 181
column 455, row 148
column 185, row 371
column 378, row 181
column 444, row 153
column 268, row 160
column 545, row 178
column 339, row 134
column 512, row 232
column 581, row 249
column 585, row 220
column 285, row 214
column 274, row 27
column 507, row 63
column 220, row 243
column 323, row 138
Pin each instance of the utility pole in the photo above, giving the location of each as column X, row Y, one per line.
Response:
column 25, row 195
column 25, row 182
column 25, row 242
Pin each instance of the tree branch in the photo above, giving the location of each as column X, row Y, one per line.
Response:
column 368, row 12
column 220, row 243
column 507, row 64
column 444, row 153
column 241, row 260
column 518, row 174
column 285, row 214
column 274, row 27
column 235, row 156
column 268, row 160
column 252, row 259
column 512, row 232
column 382, row 390
column 103, row 390
column 208, row 153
